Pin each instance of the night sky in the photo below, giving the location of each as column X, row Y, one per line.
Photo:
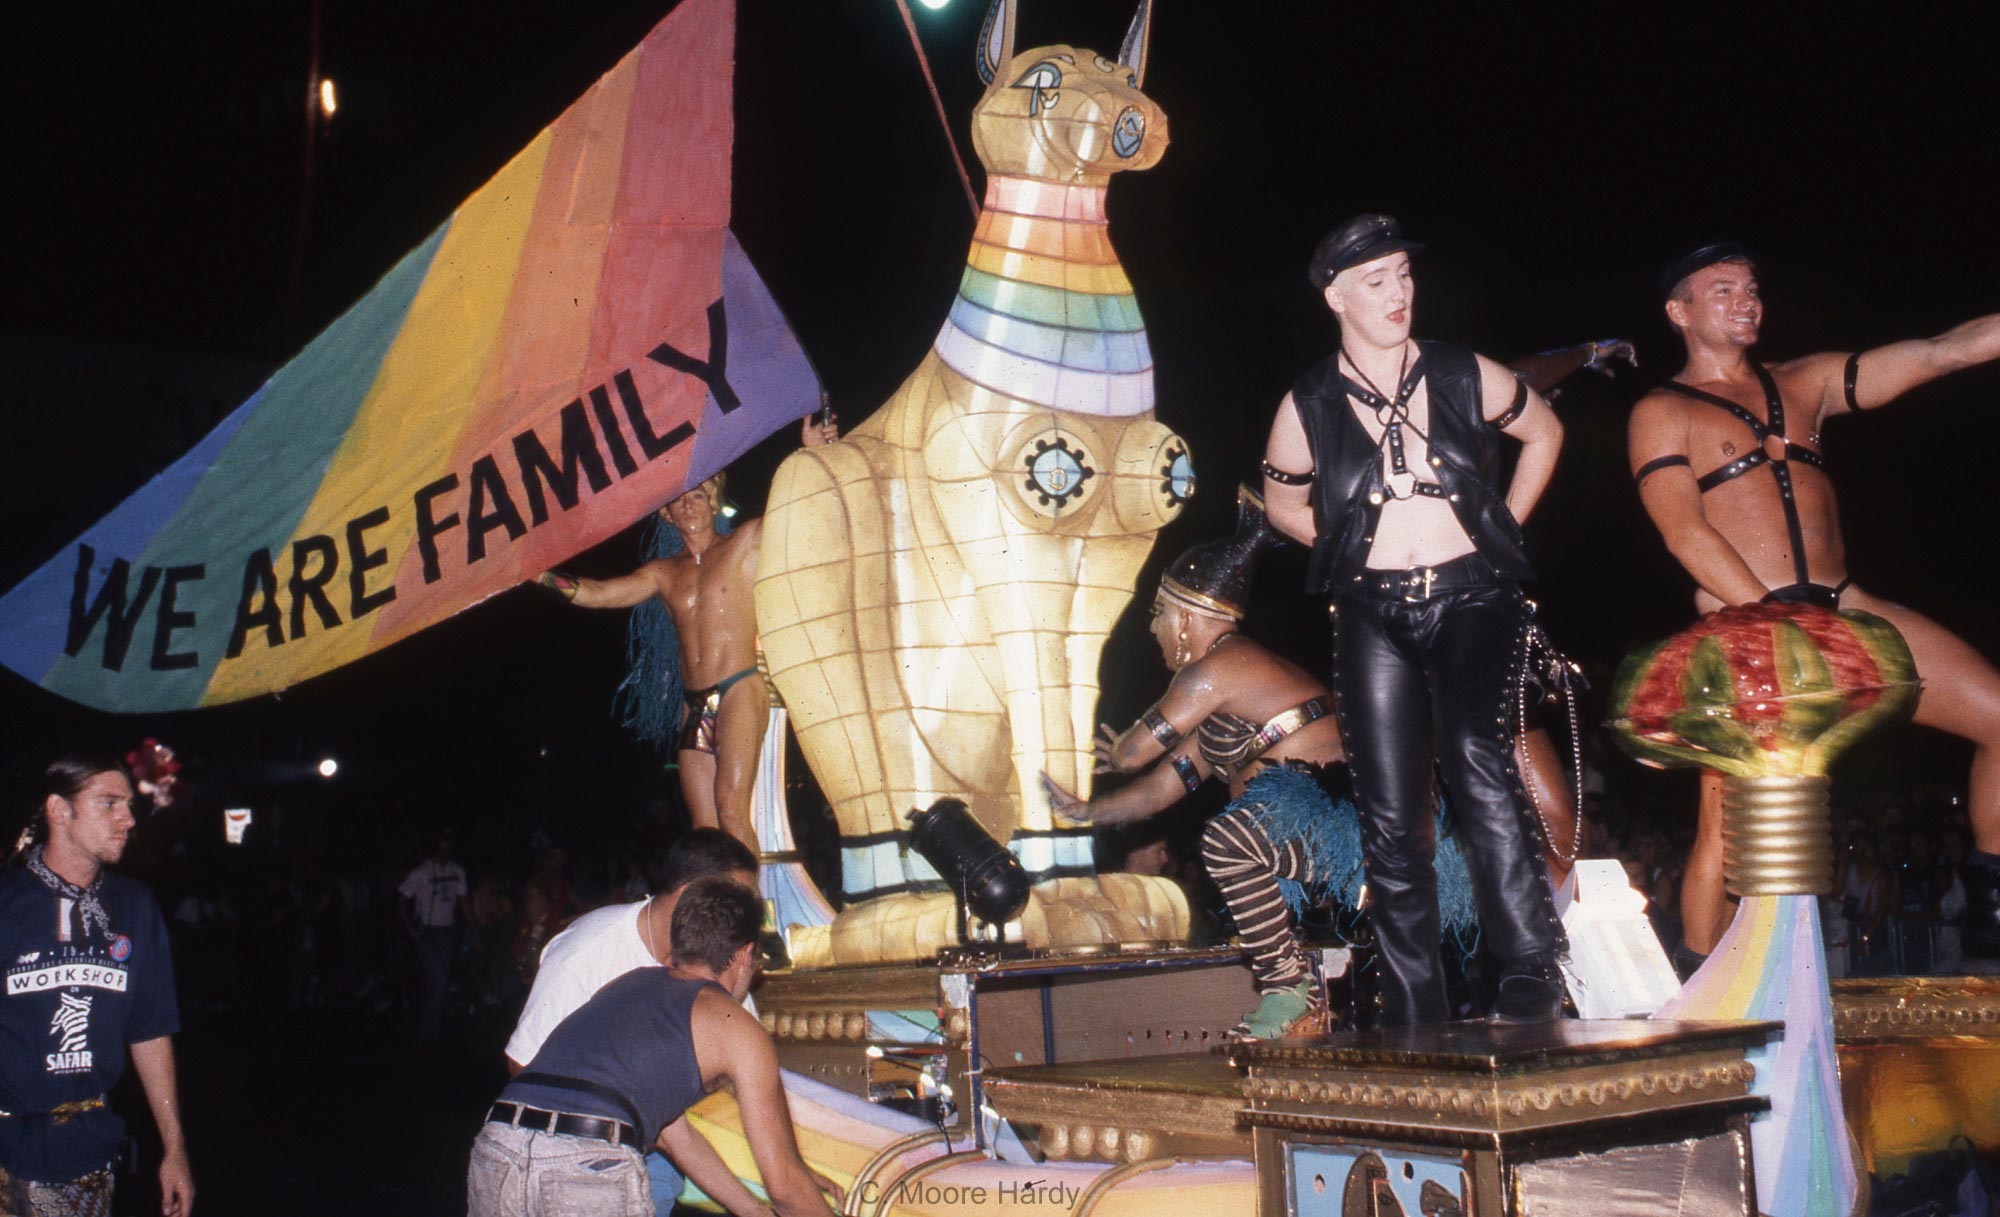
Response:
column 1552, row 156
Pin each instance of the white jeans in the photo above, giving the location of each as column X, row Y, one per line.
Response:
column 516, row 1172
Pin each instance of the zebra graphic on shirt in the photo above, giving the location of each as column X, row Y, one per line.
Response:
column 72, row 1024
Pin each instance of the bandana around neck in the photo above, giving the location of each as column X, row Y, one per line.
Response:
column 94, row 916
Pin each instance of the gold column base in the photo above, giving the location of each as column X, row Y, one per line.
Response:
column 1777, row 836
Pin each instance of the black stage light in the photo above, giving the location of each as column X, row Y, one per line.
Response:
column 986, row 877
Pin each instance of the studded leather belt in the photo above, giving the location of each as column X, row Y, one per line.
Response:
column 1420, row 583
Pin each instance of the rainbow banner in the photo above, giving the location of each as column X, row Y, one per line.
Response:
column 581, row 340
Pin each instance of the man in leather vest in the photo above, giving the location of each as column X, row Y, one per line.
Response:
column 1385, row 460
column 1728, row 465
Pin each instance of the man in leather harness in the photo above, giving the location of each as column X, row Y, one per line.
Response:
column 1385, row 460
column 1728, row 465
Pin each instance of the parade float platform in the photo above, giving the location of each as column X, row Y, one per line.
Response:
column 1109, row 1072
column 1187, row 1105
column 1919, row 1065
column 1605, row 1117
column 1920, row 1057
column 909, row 1033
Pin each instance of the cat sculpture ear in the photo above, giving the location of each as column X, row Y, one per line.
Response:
column 996, row 39
column 1132, row 53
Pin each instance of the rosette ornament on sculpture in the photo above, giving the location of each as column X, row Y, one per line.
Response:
column 1769, row 695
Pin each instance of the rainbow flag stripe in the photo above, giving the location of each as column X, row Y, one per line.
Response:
column 578, row 342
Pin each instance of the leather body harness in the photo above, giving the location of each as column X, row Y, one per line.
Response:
column 1773, row 424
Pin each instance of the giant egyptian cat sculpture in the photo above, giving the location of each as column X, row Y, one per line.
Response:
column 934, row 592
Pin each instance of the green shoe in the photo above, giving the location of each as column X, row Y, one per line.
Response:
column 1299, row 1010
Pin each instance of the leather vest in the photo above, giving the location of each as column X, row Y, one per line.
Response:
column 1348, row 488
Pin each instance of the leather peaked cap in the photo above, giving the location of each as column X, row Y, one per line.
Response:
column 1361, row 239
column 1701, row 257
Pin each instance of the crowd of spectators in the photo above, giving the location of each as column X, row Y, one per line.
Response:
column 274, row 929
column 1898, row 895
column 1896, row 907
column 307, row 928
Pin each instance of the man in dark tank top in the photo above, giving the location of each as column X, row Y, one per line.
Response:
column 1385, row 460
column 567, row 1135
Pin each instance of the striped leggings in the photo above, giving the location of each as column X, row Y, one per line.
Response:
column 1246, row 864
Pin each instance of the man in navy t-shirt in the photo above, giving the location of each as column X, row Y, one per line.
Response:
column 88, row 980
column 565, row 1138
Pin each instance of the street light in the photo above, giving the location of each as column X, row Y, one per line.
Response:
column 329, row 767
column 328, row 103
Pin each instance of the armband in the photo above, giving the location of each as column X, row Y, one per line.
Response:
column 1162, row 730
column 1189, row 775
column 1658, row 463
column 1853, row 370
column 561, row 584
column 1506, row 419
column 1283, row 478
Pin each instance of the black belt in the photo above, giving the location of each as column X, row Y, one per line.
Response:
column 1808, row 593
column 1420, row 583
column 568, row 1124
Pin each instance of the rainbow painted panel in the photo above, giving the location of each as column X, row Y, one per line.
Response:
column 1770, row 965
column 1044, row 312
column 1092, row 350
column 580, row 340
column 1051, row 305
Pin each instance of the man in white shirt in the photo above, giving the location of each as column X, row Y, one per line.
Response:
column 432, row 906
column 601, row 946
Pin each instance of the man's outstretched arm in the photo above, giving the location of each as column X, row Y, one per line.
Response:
column 1190, row 697
column 698, row 1160
column 751, row 1063
column 1887, row 372
column 1152, row 792
column 1546, row 369
column 623, row 591
column 1657, row 445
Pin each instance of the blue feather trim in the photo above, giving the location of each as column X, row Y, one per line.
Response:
column 1291, row 806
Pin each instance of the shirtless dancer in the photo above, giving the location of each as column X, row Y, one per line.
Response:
column 1233, row 711
column 1727, row 458
column 707, row 590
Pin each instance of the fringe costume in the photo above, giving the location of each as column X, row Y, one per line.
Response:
column 1288, row 843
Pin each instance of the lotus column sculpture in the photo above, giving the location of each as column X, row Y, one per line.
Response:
column 1768, row 695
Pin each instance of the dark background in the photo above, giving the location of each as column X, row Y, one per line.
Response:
column 1553, row 156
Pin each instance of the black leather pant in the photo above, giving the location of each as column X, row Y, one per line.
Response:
column 1431, row 683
